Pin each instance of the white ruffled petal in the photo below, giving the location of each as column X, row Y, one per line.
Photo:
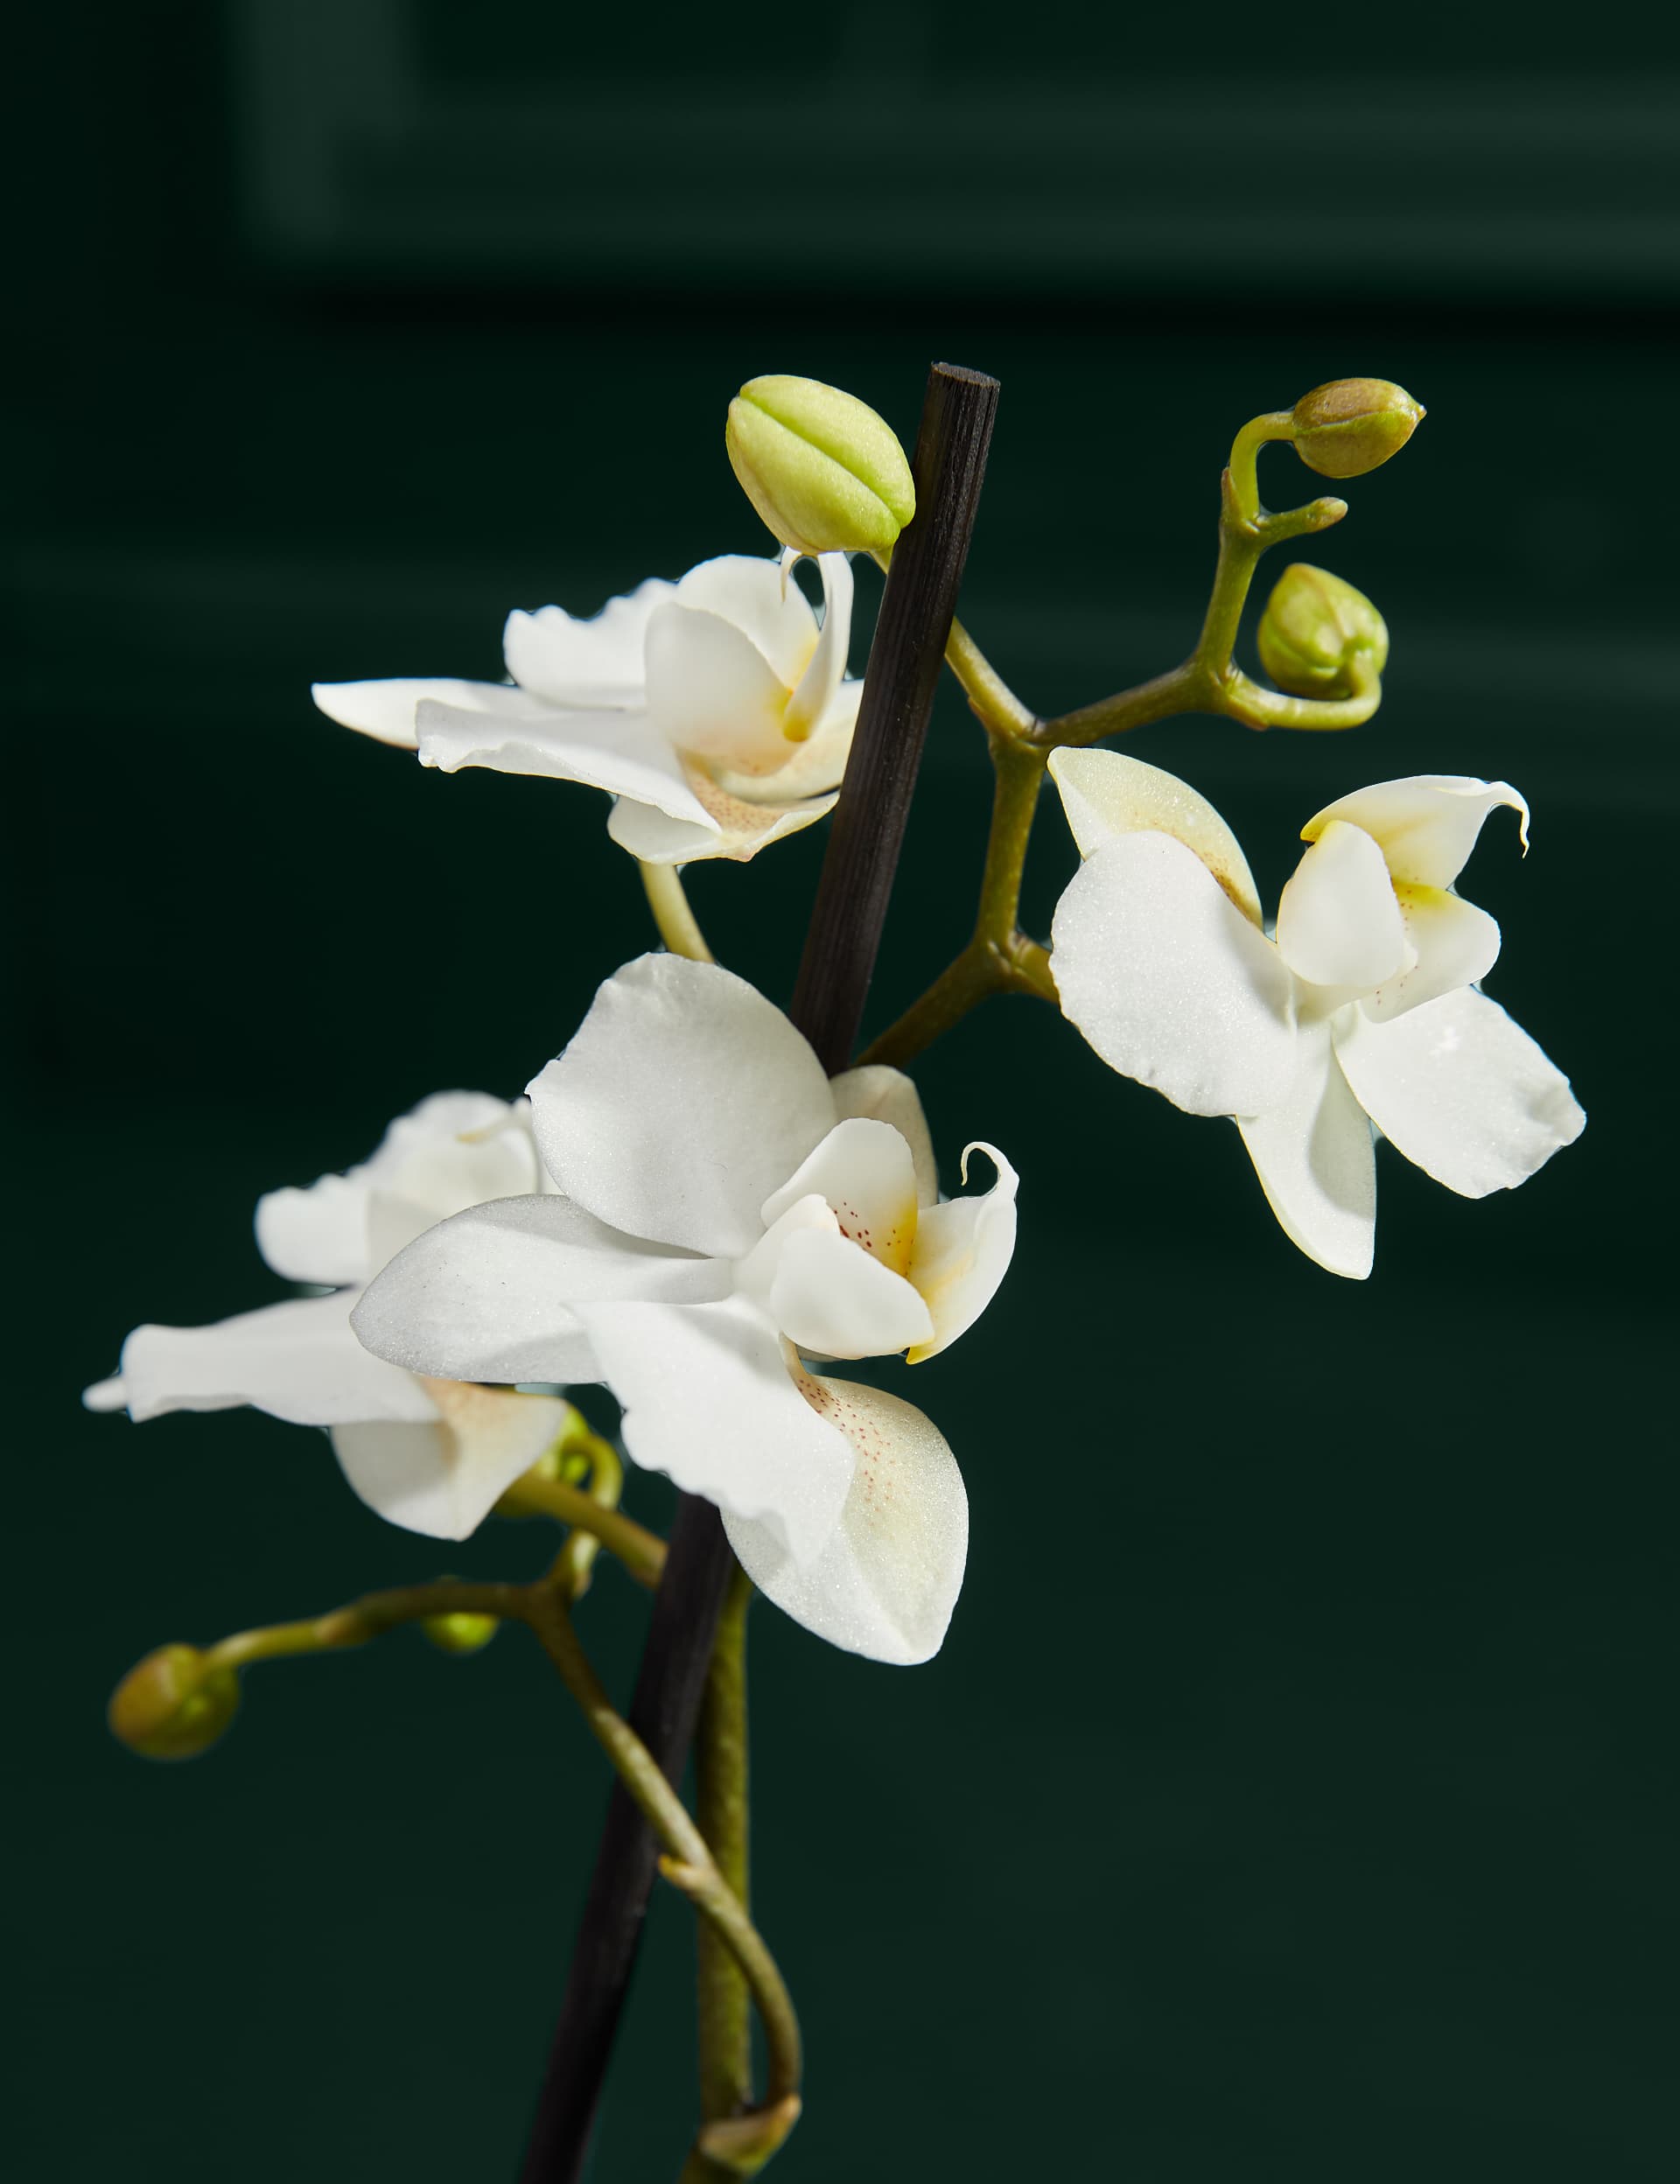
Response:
column 885, row 1583
column 1338, row 921
column 1426, row 825
column 962, row 1251
column 454, row 1150
column 1106, row 794
column 444, row 1479
column 297, row 1360
column 752, row 592
column 736, row 830
column 624, row 753
column 710, row 691
column 1317, row 1163
column 386, row 710
column 1171, row 982
column 685, row 1099
column 594, row 662
column 833, row 1299
column 489, row 1295
column 866, row 1171
column 709, row 1400
column 1461, row 1090
column 1452, row 943
column 887, row 1095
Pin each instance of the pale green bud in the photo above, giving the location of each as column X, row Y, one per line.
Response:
column 824, row 471
column 1313, row 627
column 1351, row 425
column 460, row 1634
column 173, row 1704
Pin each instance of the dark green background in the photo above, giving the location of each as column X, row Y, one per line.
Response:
column 1295, row 1797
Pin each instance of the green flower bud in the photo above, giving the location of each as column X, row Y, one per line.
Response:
column 460, row 1634
column 1348, row 427
column 823, row 470
column 173, row 1704
column 1313, row 627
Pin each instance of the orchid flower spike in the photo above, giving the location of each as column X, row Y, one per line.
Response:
column 431, row 1455
column 724, row 1214
column 716, row 712
column 1363, row 1009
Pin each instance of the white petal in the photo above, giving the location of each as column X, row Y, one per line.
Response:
column 753, row 594
column 1426, row 825
column 1106, row 794
column 1170, row 982
column 489, row 1295
column 962, row 1252
column 683, row 1100
column 623, row 753
column 889, row 1096
column 713, row 691
column 1338, row 922
column 444, row 1478
column 386, row 710
column 817, row 688
column 831, row 1298
column 886, row 1581
column 736, row 830
column 454, row 1150
column 811, row 768
column 1453, row 944
column 867, row 1173
column 755, row 1275
column 709, row 1399
column 297, row 1360
column 1460, row 1090
column 577, row 662
column 1317, row 1165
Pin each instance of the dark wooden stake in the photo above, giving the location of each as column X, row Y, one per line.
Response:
column 827, row 1006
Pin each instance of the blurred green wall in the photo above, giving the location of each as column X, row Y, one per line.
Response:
column 1294, row 1799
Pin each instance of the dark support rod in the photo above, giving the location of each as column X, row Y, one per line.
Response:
column 840, row 950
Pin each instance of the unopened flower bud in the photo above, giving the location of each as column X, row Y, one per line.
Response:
column 824, row 471
column 1348, row 427
column 460, row 1634
column 173, row 1704
column 1313, row 627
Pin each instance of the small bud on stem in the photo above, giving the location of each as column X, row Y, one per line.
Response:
column 824, row 471
column 1350, row 426
column 173, row 1704
column 1314, row 628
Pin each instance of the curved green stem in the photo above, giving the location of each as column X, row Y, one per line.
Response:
column 721, row 1808
column 642, row 1552
column 743, row 2142
column 359, row 1621
column 678, row 926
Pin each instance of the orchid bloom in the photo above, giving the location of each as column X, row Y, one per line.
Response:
column 429, row 1455
column 714, row 711
column 723, row 1208
column 1363, row 1009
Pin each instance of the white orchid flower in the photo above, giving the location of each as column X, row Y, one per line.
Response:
column 723, row 1208
column 715, row 711
column 429, row 1455
column 1363, row 1009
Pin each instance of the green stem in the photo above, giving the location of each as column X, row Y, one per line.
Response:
column 721, row 1809
column 362, row 1620
column 740, row 2143
column 678, row 926
column 642, row 1552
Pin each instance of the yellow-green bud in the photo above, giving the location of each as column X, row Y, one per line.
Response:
column 1348, row 427
column 1313, row 627
column 173, row 1704
column 460, row 1634
column 824, row 471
